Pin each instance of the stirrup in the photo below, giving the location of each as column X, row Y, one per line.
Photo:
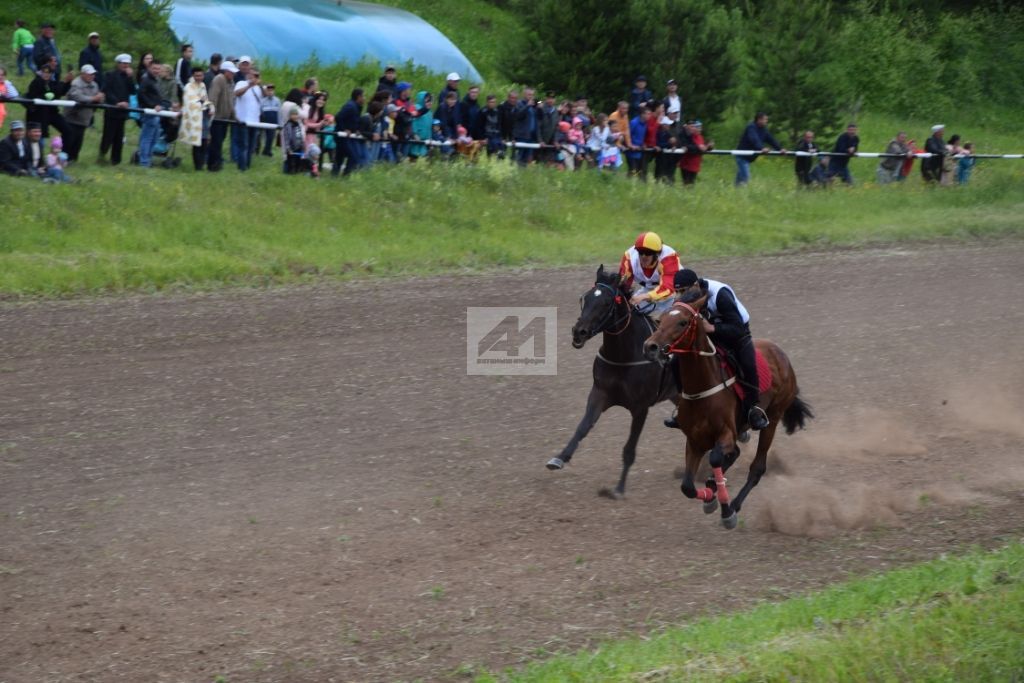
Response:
column 757, row 418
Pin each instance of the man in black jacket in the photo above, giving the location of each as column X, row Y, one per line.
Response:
column 846, row 147
column 46, row 47
column 506, row 110
column 931, row 167
column 92, row 55
column 118, row 87
column 45, row 87
column 547, row 126
column 727, row 322
column 14, row 157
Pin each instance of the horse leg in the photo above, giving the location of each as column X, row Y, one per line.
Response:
column 760, row 463
column 722, row 456
column 705, row 495
column 629, row 450
column 597, row 403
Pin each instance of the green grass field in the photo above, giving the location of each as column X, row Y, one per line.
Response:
column 126, row 228
column 953, row 619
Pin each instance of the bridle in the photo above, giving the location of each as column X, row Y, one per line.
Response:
column 684, row 343
column 621, row 322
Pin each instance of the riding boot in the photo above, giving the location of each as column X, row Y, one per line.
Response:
column 747, row 360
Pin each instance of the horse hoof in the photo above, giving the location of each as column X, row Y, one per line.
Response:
column 730, row 521
column 744, row 436
column 610, row 493
column 710, row 506
column 555, row 464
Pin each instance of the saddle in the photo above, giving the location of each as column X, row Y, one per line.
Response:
column 730, row 368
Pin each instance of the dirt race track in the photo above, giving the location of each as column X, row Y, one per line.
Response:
column 282, row 486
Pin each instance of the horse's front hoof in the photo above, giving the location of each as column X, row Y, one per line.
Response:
column 731, row 521
column 555, row 464
column 612, row 494
column 710, row 506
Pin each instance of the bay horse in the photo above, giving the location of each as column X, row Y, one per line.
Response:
column 708, row 409
column 622, row 375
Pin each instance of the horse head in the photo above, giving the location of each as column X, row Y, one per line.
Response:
column 603, row 308
column 679, row 330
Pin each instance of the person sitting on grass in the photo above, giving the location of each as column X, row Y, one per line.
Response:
column 14, row 152
column 56, row 162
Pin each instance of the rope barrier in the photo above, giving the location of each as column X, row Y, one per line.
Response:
column 166, row 113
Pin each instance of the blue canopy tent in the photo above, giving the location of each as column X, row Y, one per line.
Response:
column 288, row 31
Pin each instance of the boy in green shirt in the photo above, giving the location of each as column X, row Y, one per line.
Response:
column 21, row 44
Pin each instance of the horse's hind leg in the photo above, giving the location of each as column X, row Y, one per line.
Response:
column 759, row 465
column 629, row 450
column 597, row 403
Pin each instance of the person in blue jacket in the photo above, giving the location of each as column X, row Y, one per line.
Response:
column 755, row 138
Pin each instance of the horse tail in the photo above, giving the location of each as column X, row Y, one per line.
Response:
column 796, row 414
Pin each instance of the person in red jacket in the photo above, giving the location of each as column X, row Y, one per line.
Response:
column 693, row 141
column 647, row 269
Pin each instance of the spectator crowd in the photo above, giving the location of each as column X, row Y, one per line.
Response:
column 228, row 103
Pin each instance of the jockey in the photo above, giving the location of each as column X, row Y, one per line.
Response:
column 727, row 322
column 647, row 269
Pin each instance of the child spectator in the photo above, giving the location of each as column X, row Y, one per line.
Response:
column 437, row 135
column 577, row 141
column 965, row 163
column 293, row 142
column 56, row 162
column 565, row 154
column 465, row 145
column 270, row 112
column 374, row 129
column 330, row 142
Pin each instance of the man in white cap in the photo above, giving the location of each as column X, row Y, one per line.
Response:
column 91, row 55
column 244, row 68
column 85, row 91
column 118, row 87
column 452, row 86
column 931, row 167
column 222, row 95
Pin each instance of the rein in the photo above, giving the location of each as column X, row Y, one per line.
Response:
column 684, row 343
column 610, row 315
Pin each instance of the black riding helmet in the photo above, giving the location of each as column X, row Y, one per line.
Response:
column 684, row 279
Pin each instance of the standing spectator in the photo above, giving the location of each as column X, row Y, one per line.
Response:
column 149, row 98
column 170, row 98
column 525, row 128
column 244, row 138
column 183, row 68
column 846, row 147
column 581, row 109
column 650, row 143
column 953, row 150
column 931, row 167
column 695, row 149
column 7, row 90
column 293, row 139
column 44, row 48
column 448, row 114
column 142, row 68
column 755, row 138
column 889, row 167
column 636, row 131
column 215, row 61
column 314, row 119
column 452, row 85
column 21, row 43
column 91, row 55
column 270, row 112
column 196, row 112
column 388, row 82
column 469, row 112
column 804, row 164
column 421, row 125
column 665, row 163
column 309, row 87
column 908, row 164
column 45, row 87
column 673, row 103
column 223, row 98
column 639, row 96
column 352, row 149
column 965, row 164
column 507, row 114
column 85, row 90
column 622, row 123
column 490, row 118
column 118, row 88
column 547, row 126
column 14, row 153
column 244, row 65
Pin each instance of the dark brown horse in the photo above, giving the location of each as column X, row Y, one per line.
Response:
column 708, row 407
column 622, row 376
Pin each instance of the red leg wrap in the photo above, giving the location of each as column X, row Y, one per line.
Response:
column 705, row 495
column 723, row 493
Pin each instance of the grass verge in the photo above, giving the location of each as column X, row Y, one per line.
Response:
column 953, row 619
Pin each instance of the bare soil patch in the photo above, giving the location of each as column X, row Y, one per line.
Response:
column 304, row 484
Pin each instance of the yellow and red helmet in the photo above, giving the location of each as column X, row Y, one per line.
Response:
column 648, row 241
